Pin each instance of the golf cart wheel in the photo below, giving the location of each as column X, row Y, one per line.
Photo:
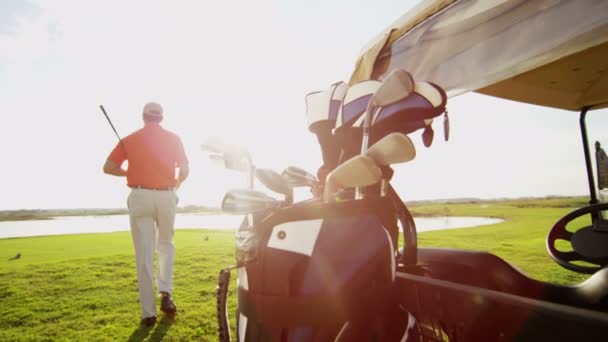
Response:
column 589, row 244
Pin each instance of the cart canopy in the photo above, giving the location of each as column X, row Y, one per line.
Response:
column 551, row 53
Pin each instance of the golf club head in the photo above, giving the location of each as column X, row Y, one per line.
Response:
column 274, row 181
column 228, row 156
column 394, row 148
column 217, row 146
column 232, row 162
column 298, row 177
column 398, row 85
column 246, row 201
column 358, row 171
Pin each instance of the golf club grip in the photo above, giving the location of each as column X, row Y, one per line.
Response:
column 103, row 110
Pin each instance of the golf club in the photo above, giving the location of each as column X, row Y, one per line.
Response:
column 275, row 182
column 298, row 177
column 103, row 110
column 230, row 157
column 355, row 172
column 396, row 86
column 110, row 122
column 231, row 161
column 247, row 201
column 233, row 158
column 394, row 148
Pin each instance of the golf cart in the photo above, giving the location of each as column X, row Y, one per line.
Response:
column 331, row 268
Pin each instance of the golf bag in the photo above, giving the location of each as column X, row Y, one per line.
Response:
column 320, row 272
column 336, row 117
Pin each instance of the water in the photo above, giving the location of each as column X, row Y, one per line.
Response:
column 106, row 224
column 424, row 224
column 113, row 223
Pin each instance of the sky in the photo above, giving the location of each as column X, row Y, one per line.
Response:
column 237, row 71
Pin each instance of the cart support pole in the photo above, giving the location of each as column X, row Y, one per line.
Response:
column 592, row 193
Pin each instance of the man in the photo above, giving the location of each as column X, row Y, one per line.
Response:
column 153, row 154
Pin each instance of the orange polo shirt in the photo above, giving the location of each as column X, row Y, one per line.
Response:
column 153, row 154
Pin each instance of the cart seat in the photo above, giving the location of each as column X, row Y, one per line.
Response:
column 485, row 270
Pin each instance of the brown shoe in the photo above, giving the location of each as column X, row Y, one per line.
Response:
column 148, row 321
column 166, row 304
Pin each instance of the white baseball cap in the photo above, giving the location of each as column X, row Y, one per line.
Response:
column 153, row 109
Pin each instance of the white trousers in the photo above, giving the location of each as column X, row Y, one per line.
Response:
column 152, row 215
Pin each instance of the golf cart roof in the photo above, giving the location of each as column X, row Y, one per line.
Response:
column 546, row 52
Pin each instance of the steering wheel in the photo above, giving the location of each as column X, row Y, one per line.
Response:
column 589, row 244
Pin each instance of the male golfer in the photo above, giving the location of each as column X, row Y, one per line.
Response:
column 153, row 154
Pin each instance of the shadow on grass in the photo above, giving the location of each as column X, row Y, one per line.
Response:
column 159, row 332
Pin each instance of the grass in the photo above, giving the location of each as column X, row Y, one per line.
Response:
column 83, row 287
column 520, row 239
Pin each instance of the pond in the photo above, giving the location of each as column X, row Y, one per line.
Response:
column 113, row 223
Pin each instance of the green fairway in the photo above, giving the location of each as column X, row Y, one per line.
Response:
column 520, row 239
column 83, row 287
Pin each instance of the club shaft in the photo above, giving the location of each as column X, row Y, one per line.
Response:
column 110, row 122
